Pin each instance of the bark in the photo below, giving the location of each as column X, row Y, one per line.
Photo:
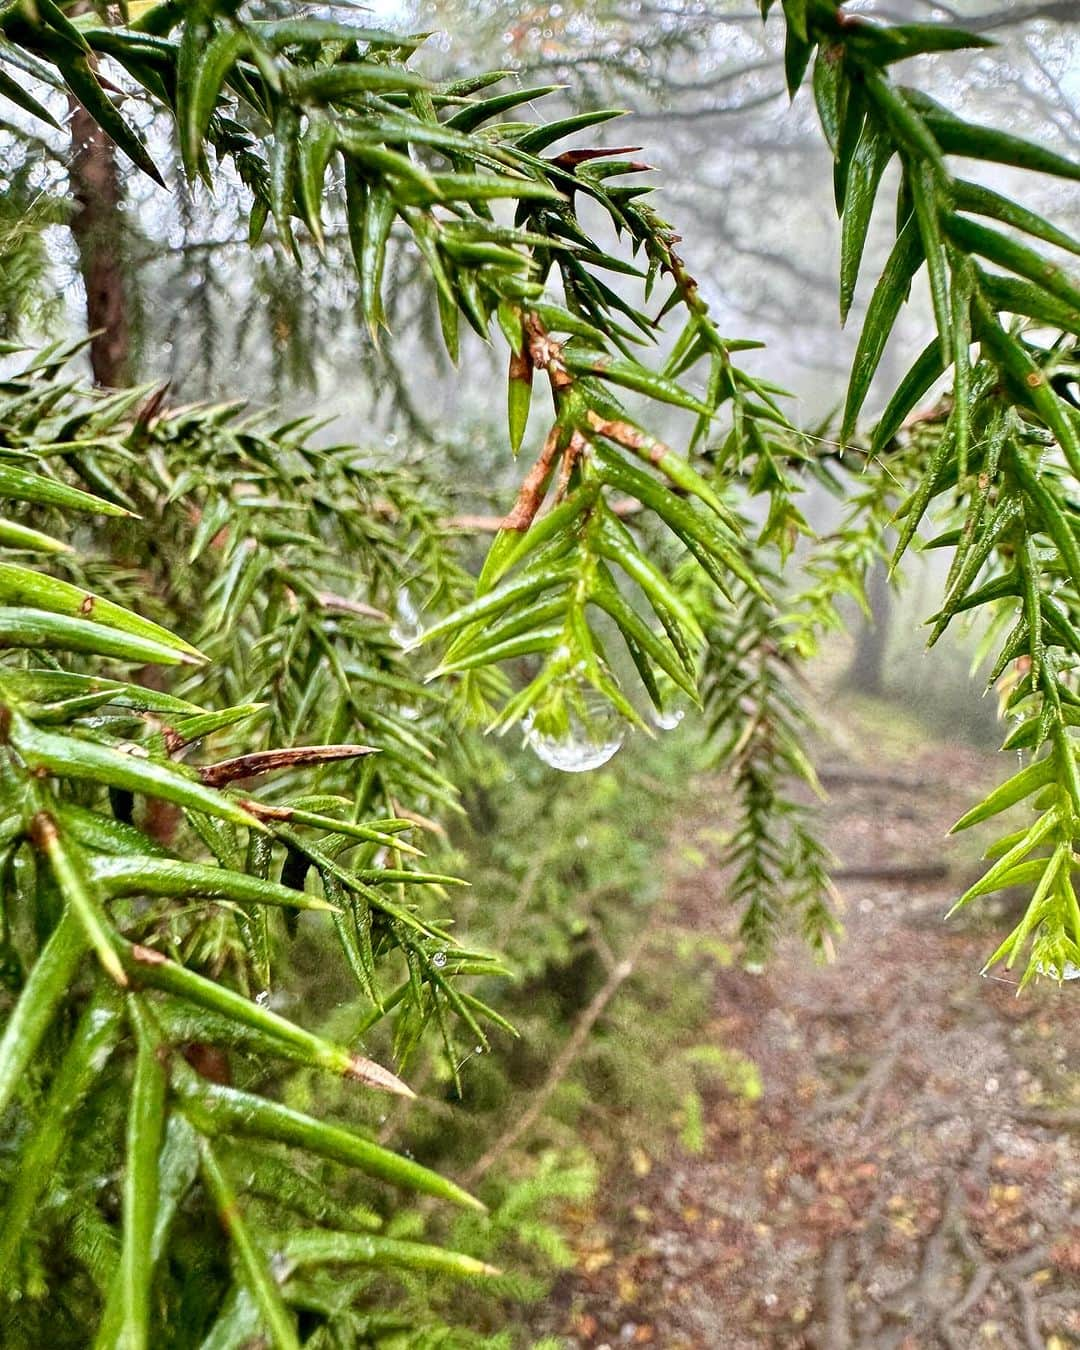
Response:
column 99, row 231
column 98, row 228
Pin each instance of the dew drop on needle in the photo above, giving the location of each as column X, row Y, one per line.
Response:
column 587, row 742
column 406, row 628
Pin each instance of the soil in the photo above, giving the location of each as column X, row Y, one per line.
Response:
column 909, row 1176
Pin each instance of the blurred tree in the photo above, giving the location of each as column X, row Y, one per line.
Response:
column 866, row 672
column 98, row 230
column 97, row 227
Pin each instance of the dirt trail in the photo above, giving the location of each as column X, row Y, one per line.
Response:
column 909, row 1177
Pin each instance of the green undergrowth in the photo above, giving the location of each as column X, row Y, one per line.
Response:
column 567, row 872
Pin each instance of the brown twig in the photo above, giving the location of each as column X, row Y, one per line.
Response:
column 493, row 524
column 936, row 871
column 570, row 456
column 629, row 437
column 870, row 1086
column 266, row 761
column 852, row 776
column 328, row 600
column 546, row 353
column 564, row 1061
column 834, row 1277
column 531, row 493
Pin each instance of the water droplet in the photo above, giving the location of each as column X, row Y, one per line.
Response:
column 406, row 628
column 672, row 708
column 667, row 720
column 478, row 1049
column 591, row 734
column 439, row 959
column 754, row 967
column 1070, row 971
column 262, row 998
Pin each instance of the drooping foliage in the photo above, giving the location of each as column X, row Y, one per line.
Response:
column 145, row 877
column 1002, row 466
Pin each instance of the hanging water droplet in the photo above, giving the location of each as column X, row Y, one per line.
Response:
column 667, row 720
column 590, row 734
column 439, row 959
column 672, row 708
column 1070, row 971
column 406, row 629
column 262, row 998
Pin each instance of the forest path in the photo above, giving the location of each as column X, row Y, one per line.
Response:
column 909, row 1177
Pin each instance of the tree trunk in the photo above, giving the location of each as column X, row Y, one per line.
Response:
column 867, row 670
column 98, row 228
